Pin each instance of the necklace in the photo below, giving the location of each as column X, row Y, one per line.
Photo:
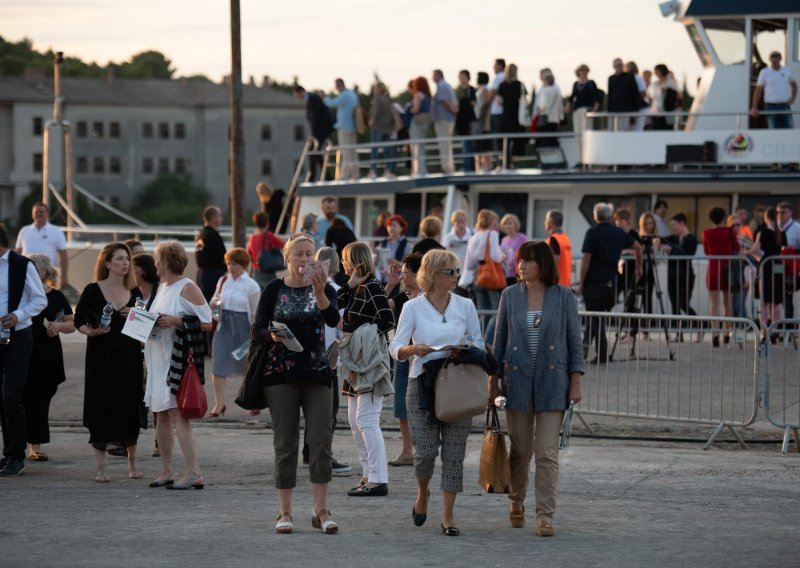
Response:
column 444, row 319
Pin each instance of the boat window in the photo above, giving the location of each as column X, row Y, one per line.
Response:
column 409, row 205
column 370, row 209
column 699, row 46
column 540, row 209
column 696, row 209
column 347, row 207
column 636, row 204
column 434, row 204
column 502, row 203
column 727, row 39
column 753, row 201
column 768, row 36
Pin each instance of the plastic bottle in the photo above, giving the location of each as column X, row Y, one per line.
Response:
column 216, row 311
column 5, row 336
column 140, row 304
column 105, row 319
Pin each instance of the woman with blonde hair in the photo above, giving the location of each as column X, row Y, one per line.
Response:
column 430, row 229
column 237, row 296
column 514, row 239
column 46, row 368
column 436, row 317
column 485, row 243
column 182, row 314
column 111, row 408
column 364, row 302
column 302, row 380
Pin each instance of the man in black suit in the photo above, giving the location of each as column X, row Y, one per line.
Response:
column 210, row 252
column 623, row 96
column 21, row 298
column 319, row 121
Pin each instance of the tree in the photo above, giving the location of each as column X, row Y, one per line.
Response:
column 171, row 199
column 147, row 65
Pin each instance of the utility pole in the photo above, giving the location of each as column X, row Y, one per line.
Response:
column 238, row 223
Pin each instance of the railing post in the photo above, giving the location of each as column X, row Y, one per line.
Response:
column 504, row 160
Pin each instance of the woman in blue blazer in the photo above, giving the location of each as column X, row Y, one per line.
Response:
column 538, row 345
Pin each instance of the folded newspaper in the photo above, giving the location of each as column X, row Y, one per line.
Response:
column 285, row 336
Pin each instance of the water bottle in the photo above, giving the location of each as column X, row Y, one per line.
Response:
column 5, row 335
column 140, row 304
column 105, row 320
column 216, row 311
column 500, row 402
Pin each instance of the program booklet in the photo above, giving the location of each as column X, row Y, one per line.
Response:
column 312, row 267
column 285, row 336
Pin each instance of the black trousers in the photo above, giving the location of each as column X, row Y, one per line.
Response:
column 599, row 300
column 37, row 410
column 680, row 290
column 14, row 359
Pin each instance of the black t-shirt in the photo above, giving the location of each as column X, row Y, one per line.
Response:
column 605, row 243
column 425, row 245
column 210, row 251
column 466, row 111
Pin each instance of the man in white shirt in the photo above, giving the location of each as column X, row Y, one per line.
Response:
column 496, row 108
column 21, row 298
column 43, row 237
column 779, row 89
column 791, row 230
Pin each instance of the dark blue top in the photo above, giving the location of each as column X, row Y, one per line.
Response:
column 605, row 243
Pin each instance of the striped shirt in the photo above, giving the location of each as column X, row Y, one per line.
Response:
column 533, row 320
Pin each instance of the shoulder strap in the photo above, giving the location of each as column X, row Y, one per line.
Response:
column 486, row 255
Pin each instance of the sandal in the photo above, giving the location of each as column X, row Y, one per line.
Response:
column 38, row 457
column 101, row 476
column 133, row 473
column 517, row 517
column 328, row 527
column 284, row 527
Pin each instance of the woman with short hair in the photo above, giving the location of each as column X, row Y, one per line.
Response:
column 111, row 407
column 295, row 381
column 514, row 239
column 182, row 314
column 430, row 229
column 538, row 346
column 237, row 296
column 435, row 317
column 46, row 368
column 392, row 250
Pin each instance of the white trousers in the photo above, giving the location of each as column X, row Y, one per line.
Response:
column 444, row 129
column 364, row 414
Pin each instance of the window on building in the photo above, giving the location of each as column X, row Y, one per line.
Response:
column 114, row 201
column 114, row 130
column 180, row 166
column 180, row 130
column 98, row 165
column 114, row 165
column 82, row 164
column 163, row 165
column 37, row 162
column 147, row 130
column 299, row 133
column 38, row 125
column 266, row 167
column 147, row 165
column 266, row 132
column 82, row 131
column 163, row 130
column 98, row 129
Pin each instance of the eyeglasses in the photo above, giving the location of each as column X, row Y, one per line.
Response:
column 451, row 272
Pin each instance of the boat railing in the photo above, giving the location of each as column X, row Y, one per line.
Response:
column 677, row 120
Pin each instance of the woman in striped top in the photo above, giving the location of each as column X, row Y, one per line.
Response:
column 538, row 343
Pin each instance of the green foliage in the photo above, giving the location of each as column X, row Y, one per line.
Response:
column 171, row 199
column 146, row 65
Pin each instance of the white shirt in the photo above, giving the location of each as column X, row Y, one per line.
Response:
column 777, row 84
column 47, row 240
column 497, row 107
column 239, row 295
column 457, row 245
column 33, row 300
column 421, row 323
column 792, row 230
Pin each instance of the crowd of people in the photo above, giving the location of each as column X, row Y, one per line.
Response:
column 502, row 106
column 372, row 325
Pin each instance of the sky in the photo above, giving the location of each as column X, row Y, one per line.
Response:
column 317, row 41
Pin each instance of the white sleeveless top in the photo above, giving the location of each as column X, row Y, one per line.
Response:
column 158, row 349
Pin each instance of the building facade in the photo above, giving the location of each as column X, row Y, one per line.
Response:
column 125, row 132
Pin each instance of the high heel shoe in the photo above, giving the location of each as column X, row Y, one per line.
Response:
column 220, row 413
column 195, row 481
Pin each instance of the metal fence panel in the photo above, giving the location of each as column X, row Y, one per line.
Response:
column 782, row 380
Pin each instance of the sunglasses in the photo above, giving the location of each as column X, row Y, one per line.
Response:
column 451, row 272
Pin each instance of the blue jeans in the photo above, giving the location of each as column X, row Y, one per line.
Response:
column 469, row 159
column 779, row 120
column 388, row 152
column 488, row 300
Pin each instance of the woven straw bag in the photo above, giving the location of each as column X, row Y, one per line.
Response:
column 494, row 473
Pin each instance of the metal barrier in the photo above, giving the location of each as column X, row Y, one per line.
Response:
column 782, row 381
column 654, row 367
column 779, row 281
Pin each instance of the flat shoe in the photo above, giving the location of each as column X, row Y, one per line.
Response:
column 544, row 529
column 162, row 482
column 517, row 518
column 402, row 460
column 381, row 490
column 194, row 482
column 101, row 476
column 38, row 457
column 450, row 531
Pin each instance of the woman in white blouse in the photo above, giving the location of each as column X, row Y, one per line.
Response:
column 437, row 317
column 485, row 232
column 237, row 296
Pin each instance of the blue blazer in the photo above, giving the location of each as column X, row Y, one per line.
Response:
column 560, row 349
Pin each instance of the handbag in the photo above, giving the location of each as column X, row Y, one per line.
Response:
column 191, row 395
column 494, row 471
column 490, row 274
column 460, row 391
column 251, row 394
column 271, row 261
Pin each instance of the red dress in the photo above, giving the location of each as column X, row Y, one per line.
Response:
column 719, row 241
